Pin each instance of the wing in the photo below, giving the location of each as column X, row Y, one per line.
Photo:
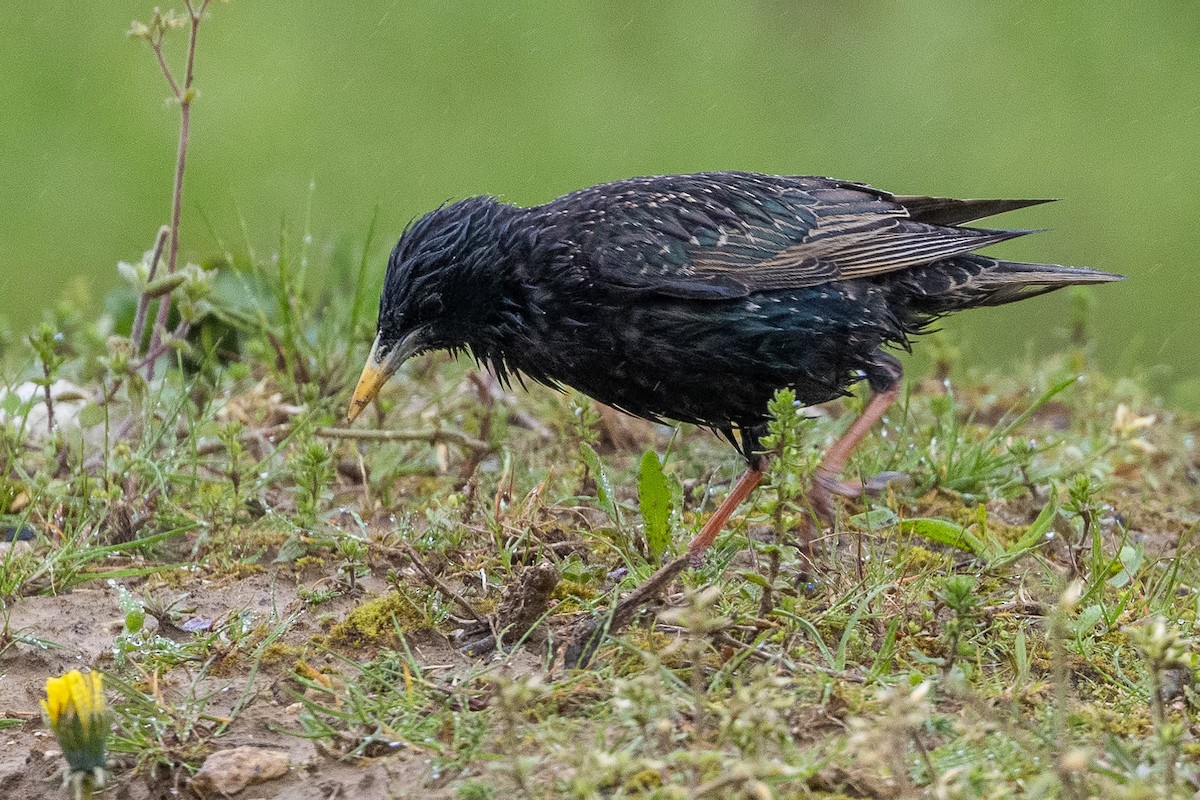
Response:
column 724, row 235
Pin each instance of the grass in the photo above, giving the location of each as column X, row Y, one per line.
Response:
column 1017, row 619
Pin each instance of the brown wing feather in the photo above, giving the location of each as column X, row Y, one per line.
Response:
column 846, row 247
column 722, row 235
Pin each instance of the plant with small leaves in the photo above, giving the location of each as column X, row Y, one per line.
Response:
column 958, row 594
column 880, row 743
column 1060, row 636
column 700, row 619
column 1082, row 500
column 183, row 92
column 312, row 470
column 791, row 467
column 754, row 717
column 1165, row 649
column 583, row 433
column 645, row 705
column 47, row 345
column 514, row 697
column 230, row 436
column 1083, row 306
column 352, row 553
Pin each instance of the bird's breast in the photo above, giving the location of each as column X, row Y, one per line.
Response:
column 709, row 362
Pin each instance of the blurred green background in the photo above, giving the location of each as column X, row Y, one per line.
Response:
column 403, row 105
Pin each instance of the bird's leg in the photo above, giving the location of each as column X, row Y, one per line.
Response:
column 884, row 377
column 885, row 384
column 716, row 522
column 591, row 633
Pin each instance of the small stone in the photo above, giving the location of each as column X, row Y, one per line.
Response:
column 228, row 772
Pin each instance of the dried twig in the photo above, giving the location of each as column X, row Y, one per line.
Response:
column 431, row 435
column 591, row 634
column 406, row 550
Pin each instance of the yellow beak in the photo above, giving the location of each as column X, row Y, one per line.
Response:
column 368, row 387
column 374, row 375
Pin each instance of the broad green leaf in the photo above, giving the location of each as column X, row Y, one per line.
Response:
column 1021, row 657
column 1088, row 618
column 292, row 548
column 948, row 533
column 91, row 414
column 604, row 491
column 874, row 520
column 1130, row 559
column 754, row 578
column 654, row 500
column 165, row 284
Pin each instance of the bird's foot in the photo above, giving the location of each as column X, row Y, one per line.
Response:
column 826, row 483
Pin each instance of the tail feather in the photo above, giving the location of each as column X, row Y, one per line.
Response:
column 973, row 280
column 949, row 211
column 1010, row 281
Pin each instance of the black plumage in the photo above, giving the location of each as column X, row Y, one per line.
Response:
column 696, row 297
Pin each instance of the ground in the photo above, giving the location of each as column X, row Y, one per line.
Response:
column 1013, row 619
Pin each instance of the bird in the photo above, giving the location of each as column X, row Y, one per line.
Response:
column 694, row 298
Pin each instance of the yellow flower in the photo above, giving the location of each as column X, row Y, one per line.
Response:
column 78, row 716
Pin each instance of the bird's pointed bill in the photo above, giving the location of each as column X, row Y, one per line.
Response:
column 382, row 363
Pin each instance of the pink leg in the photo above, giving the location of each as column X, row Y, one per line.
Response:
column 591, row 633
column 826, row 480
column 716, row 522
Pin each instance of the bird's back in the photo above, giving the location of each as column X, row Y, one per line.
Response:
column 695, row 297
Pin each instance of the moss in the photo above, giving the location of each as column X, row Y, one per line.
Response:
column 920, row 559
column 644, row 781
column 486, row 605
column 183, row 577
column 280, row 651
column 225, row 664
column 374, row 621
column 573, row 590
column 304, row 562
column 240, row 569
column 1120, row 722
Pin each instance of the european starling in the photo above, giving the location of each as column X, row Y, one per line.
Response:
column 696, row 297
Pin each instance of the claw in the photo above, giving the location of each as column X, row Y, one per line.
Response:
column 826, row 483
column 878, row 483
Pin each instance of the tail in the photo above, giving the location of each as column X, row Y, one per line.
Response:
column 968, row 280
column 973, row 280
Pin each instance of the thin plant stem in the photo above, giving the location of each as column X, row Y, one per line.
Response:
column 49, row 398
column 139, row 321
column 184, row 95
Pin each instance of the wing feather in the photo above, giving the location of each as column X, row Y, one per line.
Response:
column 714, row 235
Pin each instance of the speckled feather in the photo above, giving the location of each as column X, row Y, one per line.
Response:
column 695, row 297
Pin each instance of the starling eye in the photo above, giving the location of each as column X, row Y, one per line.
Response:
column 430, row 306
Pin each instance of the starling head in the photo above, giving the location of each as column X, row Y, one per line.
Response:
column 440, row 280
